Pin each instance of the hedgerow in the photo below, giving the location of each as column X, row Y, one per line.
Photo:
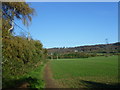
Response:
column 20, row 56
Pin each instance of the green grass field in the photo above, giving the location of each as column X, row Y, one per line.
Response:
column 86, row 72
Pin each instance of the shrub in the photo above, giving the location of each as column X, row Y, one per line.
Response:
column 20, row 56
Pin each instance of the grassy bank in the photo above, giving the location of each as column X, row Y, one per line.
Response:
column 33, row 79
column 36, row 77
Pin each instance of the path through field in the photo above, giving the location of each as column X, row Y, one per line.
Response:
column 49, row 81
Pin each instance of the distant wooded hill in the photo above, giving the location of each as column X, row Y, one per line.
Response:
column 100, row 48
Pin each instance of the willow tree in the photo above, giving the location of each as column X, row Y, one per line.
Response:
column 12, row 11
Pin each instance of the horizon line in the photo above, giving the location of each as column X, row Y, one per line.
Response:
column 83, row 45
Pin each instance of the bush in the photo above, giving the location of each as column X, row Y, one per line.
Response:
column 20, row 56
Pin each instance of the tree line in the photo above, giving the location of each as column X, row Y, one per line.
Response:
column 71, row 55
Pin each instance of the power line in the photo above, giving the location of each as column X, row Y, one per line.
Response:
column 28, row 33
column 14, row 22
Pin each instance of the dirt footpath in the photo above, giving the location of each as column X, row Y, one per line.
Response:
column 49, row 81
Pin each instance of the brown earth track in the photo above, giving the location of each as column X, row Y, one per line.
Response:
column 49, row 81
column 24, row 85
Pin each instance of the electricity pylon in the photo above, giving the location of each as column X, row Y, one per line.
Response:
column 107, row 47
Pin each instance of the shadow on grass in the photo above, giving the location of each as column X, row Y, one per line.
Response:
column 21, row 83
column 95, row 85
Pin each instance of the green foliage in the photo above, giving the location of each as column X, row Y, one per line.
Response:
column 19, row 10
column 34, row 78
column 15, row 10
column 20, row 56
column 72, row 55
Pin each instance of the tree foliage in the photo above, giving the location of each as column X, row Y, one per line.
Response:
column 19, row 54
column 15, row 10
column 19, row 10
column 72, row 55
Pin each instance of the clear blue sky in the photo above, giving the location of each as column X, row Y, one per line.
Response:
column 74, row 24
